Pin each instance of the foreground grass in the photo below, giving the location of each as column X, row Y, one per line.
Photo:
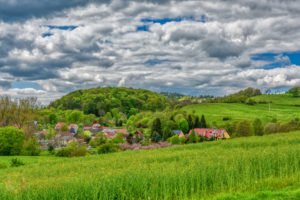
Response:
column 265, row 167
column 236, row 111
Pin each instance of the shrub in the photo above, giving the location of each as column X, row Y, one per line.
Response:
column 118, row 139
column 98, row 140
column 270, row 128
column 251, row 102
column 76, row 150
column 51, row 148
column 174, row 139
column 11, row 140
column 31, row 147
column 62, row 153
column 192, row 137
column 3, row 165
column 258, row 128
column 108, row 148
column 226, row 118
column 244, row 128
column 182, row 140
column 15, row 162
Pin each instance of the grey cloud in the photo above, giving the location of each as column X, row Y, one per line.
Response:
column 5, row 84
column 221, row 48
column 22, row 10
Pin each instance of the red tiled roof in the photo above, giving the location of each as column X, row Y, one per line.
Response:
column 43, row 132
column 65, row 133
column 208, row 132
column 72, row 125
column 110, row 135
column 59, row 124
column 124, row 131
column 96, row 125
column 87, row 128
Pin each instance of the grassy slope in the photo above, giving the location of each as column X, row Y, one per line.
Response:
column 216, row 111
column 282, row 107
column 266, row 167
column 280, row 99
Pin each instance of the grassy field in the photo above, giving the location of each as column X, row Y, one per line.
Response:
column 280, row 99
column 236, row 111
column 266, row 167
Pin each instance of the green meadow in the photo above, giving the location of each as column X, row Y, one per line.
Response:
column 237, row 111
column 280, row 99
column 265, row 167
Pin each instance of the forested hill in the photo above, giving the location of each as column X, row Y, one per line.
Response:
column 100, row 100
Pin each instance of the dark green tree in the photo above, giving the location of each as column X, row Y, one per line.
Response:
column 258, row 127
column 156, row 126
column 190, row 122
column 197, row 123
column 192, row 137
column 203, row 122
column 52, row 119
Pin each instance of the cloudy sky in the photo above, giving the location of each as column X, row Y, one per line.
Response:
column 51, row 47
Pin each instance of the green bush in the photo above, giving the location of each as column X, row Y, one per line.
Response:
column 244, row 128
column 62, row 152
column 108, row 148
column 3, row 165
column 31, row 147
column 226, row 118
column 174, row 139
column 15, row 162
column 182, row 140
column 98, row 140
column 76, row 150
column 11, row 141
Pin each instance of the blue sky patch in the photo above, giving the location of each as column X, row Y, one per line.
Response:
column 143, row 28
column 71, row 28
column 24, row 84
column 176, row 19
column 153, row 62
column 148, row 21
column 46, row 35
column 276, row 60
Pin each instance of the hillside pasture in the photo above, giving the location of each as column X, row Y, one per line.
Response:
column 237, row 111
column 266, row 167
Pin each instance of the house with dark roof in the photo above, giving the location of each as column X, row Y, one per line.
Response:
column 73, row 128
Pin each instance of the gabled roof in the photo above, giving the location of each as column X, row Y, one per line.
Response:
column 87, row 128
column 177, row 132
column 96, row 125
column 59, row 124
column 124, row 131
column 73, row 126
column 65, row 133
column 110, row 135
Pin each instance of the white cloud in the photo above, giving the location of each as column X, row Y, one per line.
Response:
column 106, row 50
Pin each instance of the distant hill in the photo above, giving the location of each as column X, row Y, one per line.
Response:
column 239, row 97
column 100, row 100
column 177, row 96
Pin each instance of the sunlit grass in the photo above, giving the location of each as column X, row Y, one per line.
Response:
column 221, row 169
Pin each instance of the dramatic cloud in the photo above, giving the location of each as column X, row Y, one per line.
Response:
column 191, row 47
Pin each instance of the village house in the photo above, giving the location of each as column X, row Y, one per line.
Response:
column 211, row 133
column 59, row 125
column 73, row 128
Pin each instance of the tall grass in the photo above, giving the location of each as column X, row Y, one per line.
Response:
column 206, row 170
